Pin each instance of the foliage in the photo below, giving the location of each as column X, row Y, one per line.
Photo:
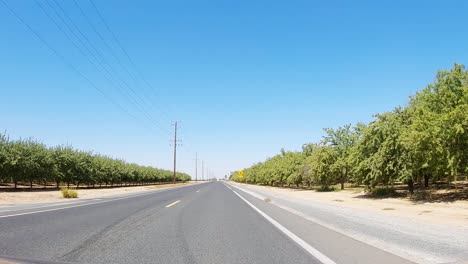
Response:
column 29, row 161
column 383, row 192
column 69, row 193
column 424, row 140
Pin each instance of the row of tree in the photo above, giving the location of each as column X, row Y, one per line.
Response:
column 424, row 141
column 29, row 161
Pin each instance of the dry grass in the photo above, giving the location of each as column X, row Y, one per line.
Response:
column 69, row 193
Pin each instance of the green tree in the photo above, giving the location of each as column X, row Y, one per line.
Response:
column 321, row 164
column 342, row 140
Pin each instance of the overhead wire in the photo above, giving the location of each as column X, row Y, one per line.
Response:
column 115, row 56
column 133, row 96
column 122, row 48
column 70, row 65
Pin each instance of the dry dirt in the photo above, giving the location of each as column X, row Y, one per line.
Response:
column 27, row 197
column 455, row 212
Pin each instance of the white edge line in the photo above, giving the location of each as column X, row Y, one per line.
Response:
column 314, row 252
column 371, row 241
column 169, row 205
column 79, row 205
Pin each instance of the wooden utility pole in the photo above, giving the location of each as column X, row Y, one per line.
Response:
column 196, row 166
column 175, row 151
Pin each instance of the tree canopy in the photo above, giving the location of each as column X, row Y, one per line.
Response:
column 29, row 161
column 423, row 140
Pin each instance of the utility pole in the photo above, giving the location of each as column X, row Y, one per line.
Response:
column 175, row 151
column 196, row 166
column 202, row 169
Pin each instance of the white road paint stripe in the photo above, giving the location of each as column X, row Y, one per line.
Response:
column 79, row 205
column 314, row 252
column 40, row 206
column 169, row 205
column 67, row 207
column 421, row 257
column 198, row 191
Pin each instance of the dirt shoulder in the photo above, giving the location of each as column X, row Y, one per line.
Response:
column 454, row 213
column 28, row 197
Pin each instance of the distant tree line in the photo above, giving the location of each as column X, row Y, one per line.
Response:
column 424, row 141
column 28, row 161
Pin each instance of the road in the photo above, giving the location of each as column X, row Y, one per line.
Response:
column 410, row 238
column 204, row 223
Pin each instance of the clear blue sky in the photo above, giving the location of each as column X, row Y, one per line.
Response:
column 245, row 78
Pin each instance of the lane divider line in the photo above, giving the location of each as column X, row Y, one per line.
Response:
column 169, row 205
column 314, row 252
column 198, row 191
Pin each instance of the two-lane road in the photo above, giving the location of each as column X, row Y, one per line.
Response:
column 205, row 223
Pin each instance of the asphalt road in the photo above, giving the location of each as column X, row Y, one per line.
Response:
column 413, row 239
column 205, row 223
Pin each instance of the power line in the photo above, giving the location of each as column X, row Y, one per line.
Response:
column 70, row 65
column 111, row 50
column 114, row 36
column 102, row 57
column 110, row 78
column 134, row 98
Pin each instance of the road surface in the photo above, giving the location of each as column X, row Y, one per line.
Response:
column 410, row 238
column 204, row 223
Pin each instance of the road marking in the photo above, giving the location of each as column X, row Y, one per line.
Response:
column 198, row 191
column 169, row 205
column 314, row 252
column 79, row 205
column 368, row 240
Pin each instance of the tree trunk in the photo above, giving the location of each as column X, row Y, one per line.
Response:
column 343, row 179
column 78, row 185
column 30, row 184
column 411, row 186
column 426, row 181
column 16, row 184
column 68, row 185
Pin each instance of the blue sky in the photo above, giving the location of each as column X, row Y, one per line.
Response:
column 245, row 78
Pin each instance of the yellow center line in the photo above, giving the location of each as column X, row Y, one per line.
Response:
column 169, row 205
